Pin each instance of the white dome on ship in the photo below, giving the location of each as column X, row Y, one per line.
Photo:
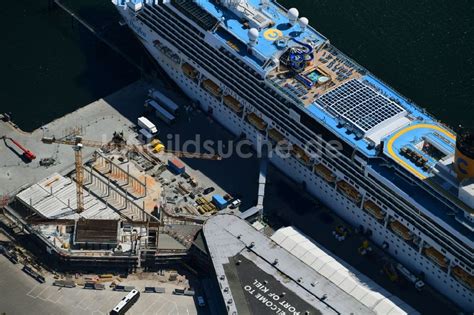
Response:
column 293, row 14
column 253, row 34
column 303, row 22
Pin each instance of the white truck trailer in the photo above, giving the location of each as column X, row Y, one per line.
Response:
column 164, row 101
column 147, row 125
column 160, row 112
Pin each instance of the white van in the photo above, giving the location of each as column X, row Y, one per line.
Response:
column 234, row 204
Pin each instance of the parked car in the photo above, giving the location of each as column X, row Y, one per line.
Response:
column 208, row 190
column 234, row 204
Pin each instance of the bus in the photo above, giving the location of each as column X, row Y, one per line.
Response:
column 126, row 303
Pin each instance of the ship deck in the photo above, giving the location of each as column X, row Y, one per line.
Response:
column 415, row 137
column 327, row 62
column 265, row 46
column 438, row 211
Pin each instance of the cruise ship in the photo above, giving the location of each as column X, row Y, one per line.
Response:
column 263, row 72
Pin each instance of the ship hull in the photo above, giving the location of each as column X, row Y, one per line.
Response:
column 326, row 192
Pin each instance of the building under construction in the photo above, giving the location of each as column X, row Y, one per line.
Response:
column 115, row 209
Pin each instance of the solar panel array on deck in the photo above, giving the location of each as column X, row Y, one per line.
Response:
column 359, row 104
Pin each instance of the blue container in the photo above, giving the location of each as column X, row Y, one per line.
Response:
column 176, row 166
column 219, row 202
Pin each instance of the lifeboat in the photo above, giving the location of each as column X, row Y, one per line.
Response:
column 211, row 87
column 325, row 173
column 256, row 121
column 189, row 71
column 401, row 230
column 300, row 154
column 349, row 191
column 436, row 257
column 275, row 135
column 463, row 276
column 232, row 103
column 372, row 208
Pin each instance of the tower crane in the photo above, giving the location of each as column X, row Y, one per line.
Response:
column 77, row 143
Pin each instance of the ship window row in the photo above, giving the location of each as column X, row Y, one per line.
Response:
column 242, row 78
column 175, row 17
column 210, row 61
column 422, row 222
column 272, row 92
column 237, row 87
column 224, row 78
column 302, row 114
column 256, row 76
column 194, row 29
column 371, row 185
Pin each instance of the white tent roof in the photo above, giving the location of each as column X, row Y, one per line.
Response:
column 349, row 280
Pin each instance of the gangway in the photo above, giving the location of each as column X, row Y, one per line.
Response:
column 262, row 180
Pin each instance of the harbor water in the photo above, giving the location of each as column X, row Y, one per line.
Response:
column 423, row 49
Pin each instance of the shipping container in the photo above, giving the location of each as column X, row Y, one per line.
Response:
column 64, row 283
column 146, row 137
column 219, row 201
column 163, row 100
column 160, row 112
column 155, row 290
column 179, row 291
column 147, row 125
column 189, row 292
column 176, row 166
column 34, row 274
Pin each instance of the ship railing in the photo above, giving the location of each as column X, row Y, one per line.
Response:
column 343, row 162
column 245, row 79
column 284, row 93
column 154, row 12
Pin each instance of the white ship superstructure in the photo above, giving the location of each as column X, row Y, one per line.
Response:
column 264, row 73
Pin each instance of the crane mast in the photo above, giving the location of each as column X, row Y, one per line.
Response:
column 78, row 143
column 79, row 177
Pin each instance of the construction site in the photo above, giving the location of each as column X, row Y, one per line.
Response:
column 100, row 196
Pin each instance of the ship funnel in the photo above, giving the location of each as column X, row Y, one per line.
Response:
column 253, row 36
column 464, row 157
column 293, row 15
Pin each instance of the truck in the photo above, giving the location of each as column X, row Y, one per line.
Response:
column 34, row 274
column 163, row 100
column 147, row 125
column 64, row 283
column 145, row 136
column 419, row 284
column 160, row 112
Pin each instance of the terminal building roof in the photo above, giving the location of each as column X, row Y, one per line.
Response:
column 290, row 272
